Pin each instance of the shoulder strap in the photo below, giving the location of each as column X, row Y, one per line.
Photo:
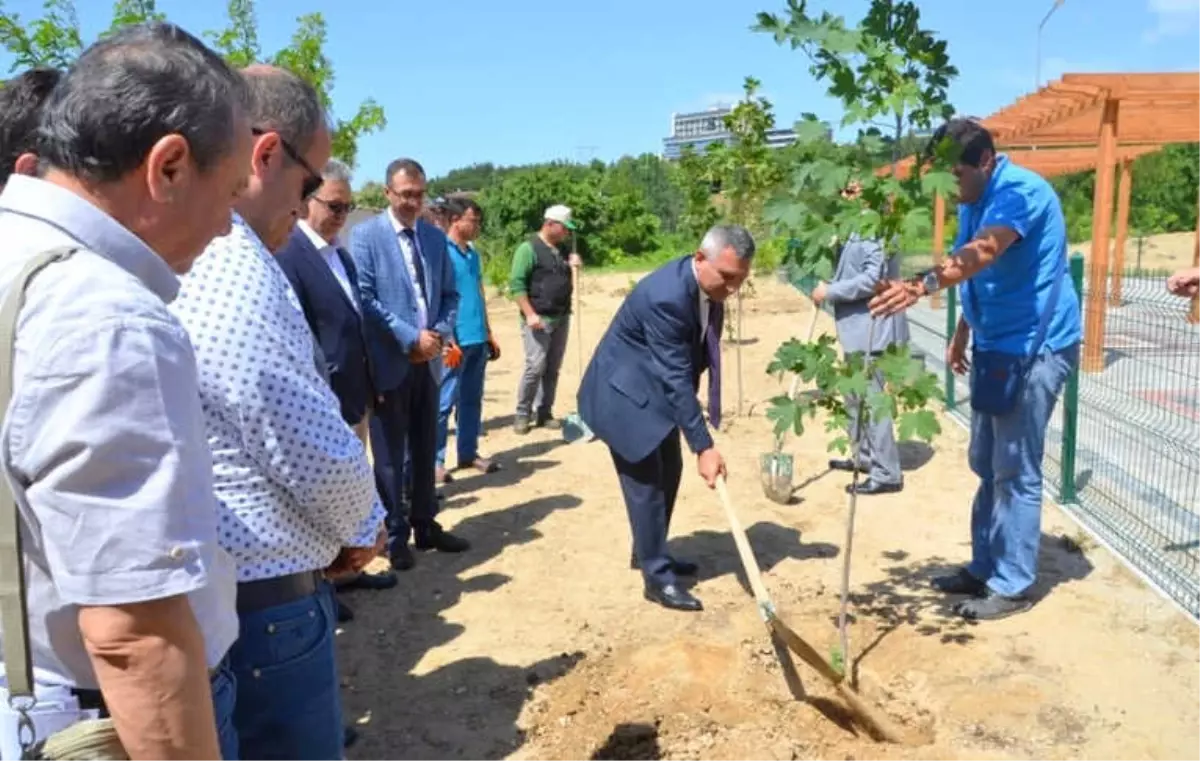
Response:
column 14, row 616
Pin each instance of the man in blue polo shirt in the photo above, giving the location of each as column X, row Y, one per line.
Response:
column 1023, row 316
column 466, row 358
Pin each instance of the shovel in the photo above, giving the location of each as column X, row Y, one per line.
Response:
column 574, row 430
column 870, row 719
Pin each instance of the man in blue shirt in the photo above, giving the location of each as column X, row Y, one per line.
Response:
column 1010, row 258
column 466, row 358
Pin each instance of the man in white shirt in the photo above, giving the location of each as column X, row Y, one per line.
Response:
column 296, row 490
column 131, row 602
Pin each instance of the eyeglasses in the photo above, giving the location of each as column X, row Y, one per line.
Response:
column 337, row 207
column 407, row 195
column 313, row 181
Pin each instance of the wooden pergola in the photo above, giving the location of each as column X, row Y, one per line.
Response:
column 1097, row 121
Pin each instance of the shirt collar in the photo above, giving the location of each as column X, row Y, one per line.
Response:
column 93, row 228
column 314, row 237
column 464, row 251
column 397, row 225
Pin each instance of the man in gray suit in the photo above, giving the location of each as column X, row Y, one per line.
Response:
column 860, row 267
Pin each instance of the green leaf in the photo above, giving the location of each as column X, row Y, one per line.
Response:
column 918, row 424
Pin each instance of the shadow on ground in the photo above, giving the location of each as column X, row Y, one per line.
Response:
column 906, row 597
column 636, row 742
column 716, row 555
column 464, row 709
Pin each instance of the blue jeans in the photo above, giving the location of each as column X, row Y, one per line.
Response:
column 288, row 703
column 462, row 388
column 1006, row 453
column 224, row 696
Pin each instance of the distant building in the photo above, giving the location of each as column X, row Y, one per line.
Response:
column 701, row 128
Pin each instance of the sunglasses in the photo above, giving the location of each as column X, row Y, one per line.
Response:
column 313, row 181
column 337, row 207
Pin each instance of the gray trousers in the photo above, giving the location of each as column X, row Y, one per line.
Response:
column 544, row 351
column 878, row 455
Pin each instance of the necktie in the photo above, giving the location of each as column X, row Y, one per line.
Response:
column 418, row 267
column 712, row 348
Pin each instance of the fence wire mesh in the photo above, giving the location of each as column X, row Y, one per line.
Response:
column 1132, row 472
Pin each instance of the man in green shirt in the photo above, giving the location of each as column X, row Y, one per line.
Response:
column 541, row 286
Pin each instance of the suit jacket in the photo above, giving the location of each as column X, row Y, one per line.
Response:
column 333, row 319
column 859, row 268
column 390, row 301
column 641, row 383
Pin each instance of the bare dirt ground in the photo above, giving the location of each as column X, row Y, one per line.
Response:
column 1169, row 251
column 537, row 644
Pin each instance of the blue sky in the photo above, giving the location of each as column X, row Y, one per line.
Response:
column 515, row 81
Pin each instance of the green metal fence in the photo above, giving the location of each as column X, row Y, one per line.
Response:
column 1123, row 449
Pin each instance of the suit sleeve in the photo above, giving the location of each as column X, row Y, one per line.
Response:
column 448, row 312
column 669, row 339
column 288, row 265
column 861, row 285
column 360, row 250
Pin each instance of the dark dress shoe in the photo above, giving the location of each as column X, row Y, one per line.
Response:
column 961, row 583
column 874, row 487
column 441, row 540
column 549, row 423
column 672, row 596
column 845, row 465
column 385, row 580
column 403, row 558
column 344, row 613
column 992, row 607
column 349, row 736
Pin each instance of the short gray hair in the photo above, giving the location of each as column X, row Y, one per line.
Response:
column 284, row 103
column 133, row 88
column 720, row 237
column 336, row 171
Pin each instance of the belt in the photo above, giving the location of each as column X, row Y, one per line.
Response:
column 93, row 700
column 266, row 593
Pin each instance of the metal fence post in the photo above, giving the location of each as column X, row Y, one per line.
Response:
column 1067, row 492
column 951, row 324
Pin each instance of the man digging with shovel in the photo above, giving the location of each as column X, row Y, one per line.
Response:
column 639, row 394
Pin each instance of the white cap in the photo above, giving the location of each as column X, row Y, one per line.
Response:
column 561, row 214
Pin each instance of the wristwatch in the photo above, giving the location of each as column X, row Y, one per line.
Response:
column 930, row 281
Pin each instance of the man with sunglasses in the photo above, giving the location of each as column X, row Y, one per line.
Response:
column 296, row 494
column 326, row 282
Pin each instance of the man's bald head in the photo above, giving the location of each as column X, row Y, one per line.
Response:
column 284, row 103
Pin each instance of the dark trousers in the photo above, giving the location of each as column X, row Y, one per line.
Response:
column 407, row 417
column 650, row 488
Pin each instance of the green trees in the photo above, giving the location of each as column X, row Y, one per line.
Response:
column 55, row 40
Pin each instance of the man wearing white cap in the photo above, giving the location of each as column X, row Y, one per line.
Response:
column 541, row 286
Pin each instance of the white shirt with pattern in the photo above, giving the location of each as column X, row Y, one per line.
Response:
column 292, row 478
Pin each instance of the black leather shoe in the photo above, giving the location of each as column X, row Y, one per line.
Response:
column 992, row 607
column 844, row 465
column 549, row 423
column 441, row 540
column 403, row 558
column 874, row 487
column 344, row 613
column 349, row 736
column 672, row 596
column 377, row 581
column 961, row 583
column 521, row 426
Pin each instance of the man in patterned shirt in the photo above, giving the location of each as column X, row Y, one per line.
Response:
column 296, row 490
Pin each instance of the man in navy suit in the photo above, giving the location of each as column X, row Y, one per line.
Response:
column 639, row 394
column 325, row 280
column 409, row 300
